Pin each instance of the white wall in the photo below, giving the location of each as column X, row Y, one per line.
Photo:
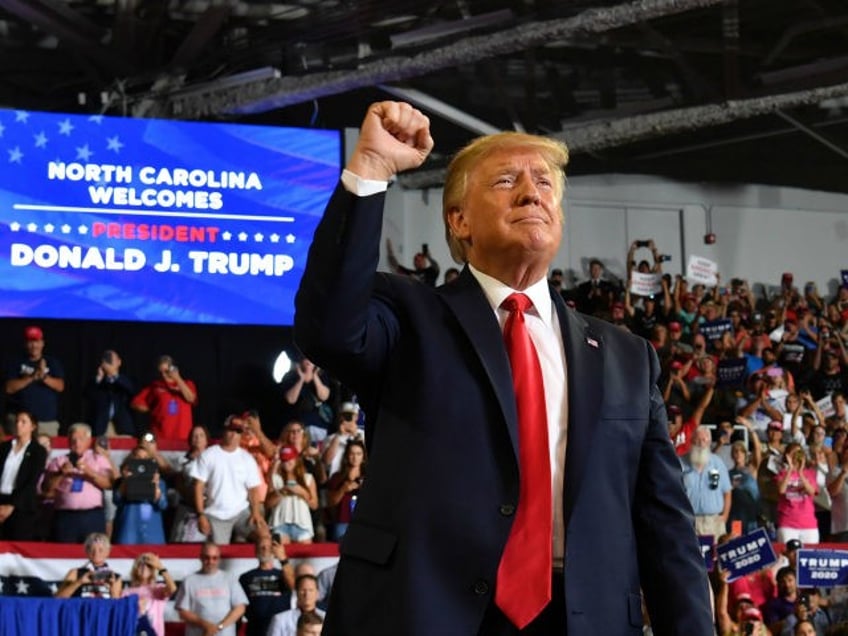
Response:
column 761, row 231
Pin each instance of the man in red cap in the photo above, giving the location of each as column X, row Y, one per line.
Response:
column 33, row 383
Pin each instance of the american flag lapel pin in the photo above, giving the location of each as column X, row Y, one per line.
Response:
column 592, row 342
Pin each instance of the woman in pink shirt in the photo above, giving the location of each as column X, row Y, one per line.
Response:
column 152, row 593
column 796, row 511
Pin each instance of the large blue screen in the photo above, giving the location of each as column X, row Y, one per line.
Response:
column 109, row 218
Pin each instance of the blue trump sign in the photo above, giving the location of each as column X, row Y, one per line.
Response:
column 822, row 568
column 746, row 554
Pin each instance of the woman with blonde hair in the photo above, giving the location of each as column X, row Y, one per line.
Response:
column 152, row 593
column 292, row 496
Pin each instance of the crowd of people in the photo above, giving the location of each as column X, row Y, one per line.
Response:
column 755, row 391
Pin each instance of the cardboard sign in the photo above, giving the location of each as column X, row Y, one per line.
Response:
column 746, row 554
column 822, row 568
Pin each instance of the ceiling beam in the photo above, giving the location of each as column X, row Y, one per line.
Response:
column 273, row 94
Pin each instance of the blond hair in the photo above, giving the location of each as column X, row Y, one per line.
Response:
column 553, row 152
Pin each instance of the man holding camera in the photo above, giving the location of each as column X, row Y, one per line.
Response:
column 168, row 400
column 76, row 482
column 707, row 485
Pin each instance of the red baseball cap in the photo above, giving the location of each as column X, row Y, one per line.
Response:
column 287, row 453
column 33, row 333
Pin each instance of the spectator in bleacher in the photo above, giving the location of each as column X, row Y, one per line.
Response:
column 285, row 623
column 732, row 624
column 294, row 434
column 309, row 624
column 745, row 497
column 109, row 394
column 707, row 485
column 452, row 273
column 168, row 401
column 153, row 593
column 210, row 601
column 262, row 449
column 268, row 588
column 770, row 466
column 425, row 268
column 325, row 584
column 226, row 489
column 343, row 486
column 307, row 391
column 830, row 371
column 348, row 430
column 594, row 295
column 804, row 628
column 796, row 483
column 138, row 517
column 778, row 608
column 22, row 461
column 76, row 481
column 95, row 579
column 808, row 609
column 839, row 497
column 33, row 384
column 292, row 496
column 759, row 406
column 682, row 431
column 184, row 528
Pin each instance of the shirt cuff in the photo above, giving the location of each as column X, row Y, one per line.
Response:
column 355, row 184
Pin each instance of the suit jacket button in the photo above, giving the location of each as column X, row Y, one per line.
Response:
column 507, row 510
column 481, row 587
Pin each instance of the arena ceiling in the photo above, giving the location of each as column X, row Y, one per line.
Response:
column 697, row 90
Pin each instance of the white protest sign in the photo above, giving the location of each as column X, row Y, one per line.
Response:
column 701, row 270
column 645, row 284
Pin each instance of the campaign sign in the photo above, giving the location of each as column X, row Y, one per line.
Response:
column 149, row 220
column 645, row 284
column 713, row 329
column 822, row 568
column 731, row 372
column 707, row 550
column 701, row 270
column 747, row 554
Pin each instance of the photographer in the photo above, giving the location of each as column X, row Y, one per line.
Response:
column 76, row 482
column 807, row 610
column 108, row 395
column 644, row 266
column 168, row 400
column 797, row 488
column 141, row 497
column 95, row 579
column 426, row 268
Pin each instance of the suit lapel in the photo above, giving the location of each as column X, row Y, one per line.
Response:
column 585, row 359
column 466, row 299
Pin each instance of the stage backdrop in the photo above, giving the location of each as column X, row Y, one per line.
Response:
column 152, row 220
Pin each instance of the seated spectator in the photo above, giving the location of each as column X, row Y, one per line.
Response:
column 168, row 401
column 348, row 429
column 76, row 482
column 22, row 461
column 310, row 624
column 108, row 395
column 268, row 588
column 138, row 518
column 210, row 601
column 343, row 486
column 777, row 609
column 95, row 579
column 707, row 485
column 153, row 594
column 797, row 488
column 226, row 487
column 292, row 496
column 184, row 529
column 285, row 623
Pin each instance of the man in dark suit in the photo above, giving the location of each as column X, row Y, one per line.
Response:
column 22, row 461
column 425, row 551
column 109, row 395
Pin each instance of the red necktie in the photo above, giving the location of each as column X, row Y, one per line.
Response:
column 524, row 574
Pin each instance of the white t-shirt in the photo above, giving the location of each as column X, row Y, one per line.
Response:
column 228, row 476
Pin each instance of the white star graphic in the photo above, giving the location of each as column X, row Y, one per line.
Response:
column 290, row 238
column 2, row 129
column 49, row 228
column 82, row 229
column 113, row 143
column 275, row 238
column 15, row 226
column 1, row 585
column 97, row 119
column 15, row 155
column 22, row 588
column 21, row 116
column 226, row 236
column 40, row 140
column 84, row 152
column 53, row 587
column 66, row 229
column 242, row 236
column 258, row 237
column 32, row 227
column 65, row 127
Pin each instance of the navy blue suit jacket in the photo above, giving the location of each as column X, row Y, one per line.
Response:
column 434, row 513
